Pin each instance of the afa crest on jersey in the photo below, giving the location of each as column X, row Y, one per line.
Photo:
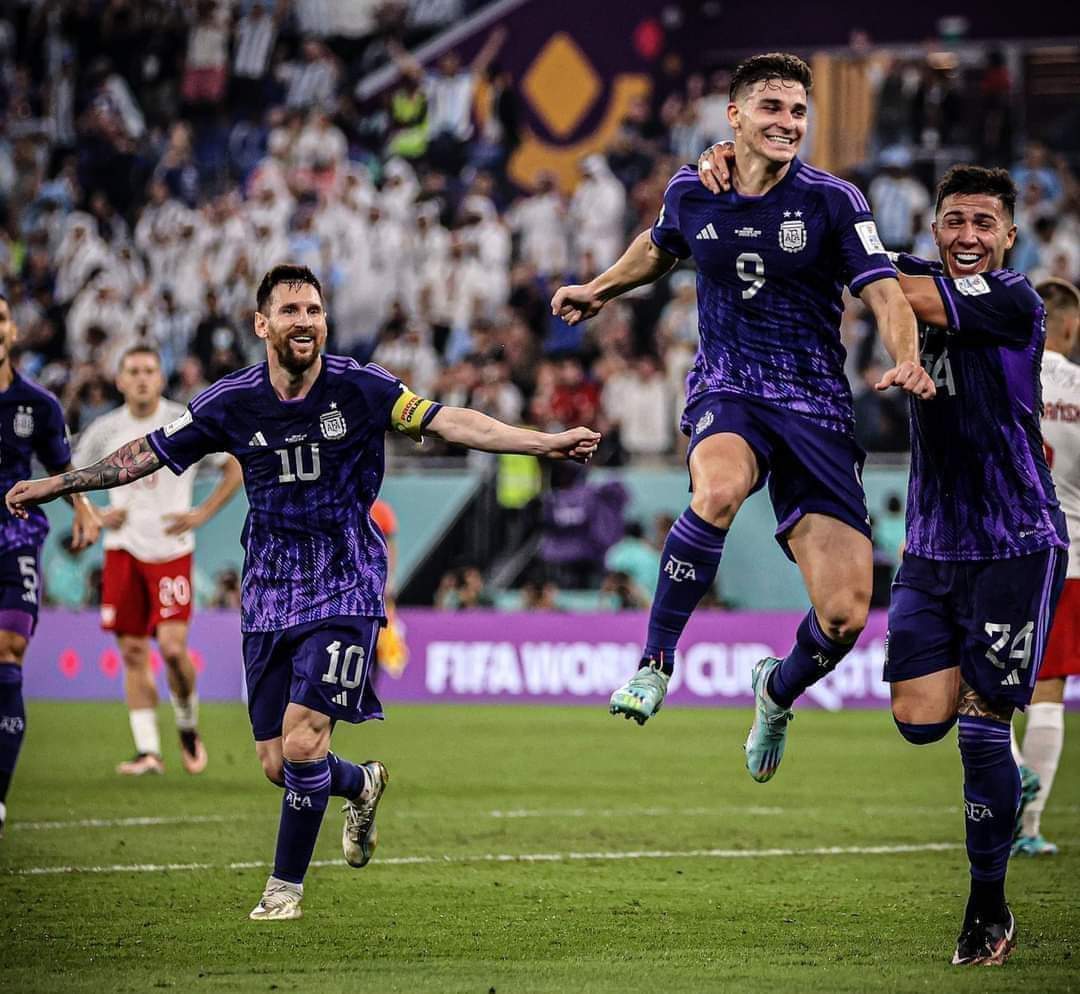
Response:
column 792, row 236
column 332, row 423
column 24, row 421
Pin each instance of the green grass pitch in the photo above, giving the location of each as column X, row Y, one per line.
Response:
column 648, row 868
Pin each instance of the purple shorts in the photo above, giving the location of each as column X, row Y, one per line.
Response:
column 989, row 618
column 20, row 590
column 323, row 665
column 809, row 469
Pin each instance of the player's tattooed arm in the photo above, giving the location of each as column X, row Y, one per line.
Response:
column 970, row 704
column 128, row 463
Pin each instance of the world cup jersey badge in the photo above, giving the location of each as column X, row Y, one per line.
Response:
column 24, row 421
column 332, row 423
column 792, row 236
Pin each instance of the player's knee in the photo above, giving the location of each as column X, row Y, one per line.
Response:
column 304, row 743
column 272, row 767
column 844, row 617
column 718, row 501
column 925, row 732
column 172, row 651
column 12, row 648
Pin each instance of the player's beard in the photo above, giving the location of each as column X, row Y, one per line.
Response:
column 291, row 361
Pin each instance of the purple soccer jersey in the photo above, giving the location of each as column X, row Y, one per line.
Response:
column 312, row 469
column 980, row 487
column 31, row 424
column 771, row 273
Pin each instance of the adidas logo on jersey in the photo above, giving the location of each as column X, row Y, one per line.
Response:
column 257, row 439
column 707, row 232
column 1012, row 679
column 342, row 699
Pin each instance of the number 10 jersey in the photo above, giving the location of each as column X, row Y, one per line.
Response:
column 312, row 469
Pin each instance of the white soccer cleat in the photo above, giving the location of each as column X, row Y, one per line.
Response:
column 3, row 817
column 359, row 836
column 280, row 902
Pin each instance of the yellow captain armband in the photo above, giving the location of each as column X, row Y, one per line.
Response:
column 410, row 414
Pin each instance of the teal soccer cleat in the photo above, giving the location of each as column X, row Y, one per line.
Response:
column 1029, row 790
column 643, row 694
column 1033, row 845
column 765, row 743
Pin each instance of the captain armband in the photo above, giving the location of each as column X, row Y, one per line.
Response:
column 411, row 413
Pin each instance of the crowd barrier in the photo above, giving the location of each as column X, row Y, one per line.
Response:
column 483, row 657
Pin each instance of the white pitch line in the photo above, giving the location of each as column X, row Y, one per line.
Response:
column 635, row 812
column 554, row 857
column 44, row 826
column 749, row 811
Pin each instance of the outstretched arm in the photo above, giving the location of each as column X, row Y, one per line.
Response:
column 900, row 335
column 474, row 430
column 643, row 262
column 130, row 462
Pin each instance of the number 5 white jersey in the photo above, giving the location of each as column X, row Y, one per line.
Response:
column 148, row 500
column 1061, row 433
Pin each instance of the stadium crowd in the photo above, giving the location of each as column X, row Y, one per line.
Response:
column 158, row 157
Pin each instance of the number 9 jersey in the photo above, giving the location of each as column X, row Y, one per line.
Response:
column 771, row 274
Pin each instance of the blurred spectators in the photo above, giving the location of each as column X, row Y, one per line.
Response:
column 158, row 157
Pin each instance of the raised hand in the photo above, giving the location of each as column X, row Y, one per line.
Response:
column 714, row 166
column 909, row 377
column 575, row 303
column 578, row 444
column 29, row 493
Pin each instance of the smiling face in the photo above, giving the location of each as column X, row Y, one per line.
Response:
column 294, row 326
column 973, row 232
column 769, row 118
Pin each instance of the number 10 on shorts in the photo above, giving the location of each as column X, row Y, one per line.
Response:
column 351, row 665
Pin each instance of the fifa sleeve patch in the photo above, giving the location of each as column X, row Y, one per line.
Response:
column 411, row 413
column 871, row 242
column 971, row 286
column 181, row 422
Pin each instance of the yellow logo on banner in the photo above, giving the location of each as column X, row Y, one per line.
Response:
column 562, row 87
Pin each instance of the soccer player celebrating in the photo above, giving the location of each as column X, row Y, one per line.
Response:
column 31, row 424
column 309, row 433
column 1044, row 736
column 985, row 558
column 767, row 399
column 147, row 584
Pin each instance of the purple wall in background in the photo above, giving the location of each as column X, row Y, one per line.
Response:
column 490, row 658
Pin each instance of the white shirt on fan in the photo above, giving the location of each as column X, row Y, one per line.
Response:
column 1061, row 433
column 147, row 500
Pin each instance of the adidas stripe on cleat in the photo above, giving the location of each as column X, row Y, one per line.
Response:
column 643, row 694
column 768, row 734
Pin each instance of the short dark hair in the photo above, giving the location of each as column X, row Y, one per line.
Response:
column 772, row 65
column 1058, row 295
column 977, row 179
column 138, row 350
column 285, row 272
